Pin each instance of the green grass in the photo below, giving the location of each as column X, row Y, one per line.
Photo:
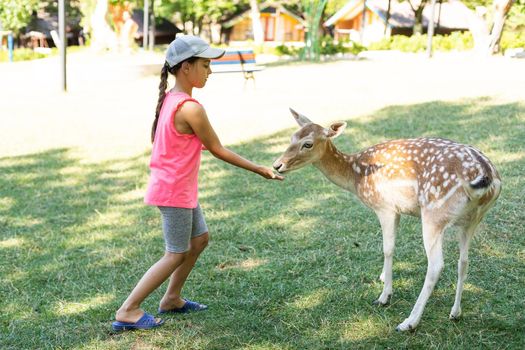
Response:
column 291, row 265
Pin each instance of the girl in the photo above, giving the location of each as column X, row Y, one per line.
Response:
column 180, row 131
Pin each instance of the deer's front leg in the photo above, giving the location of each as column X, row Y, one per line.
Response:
column 389, row 223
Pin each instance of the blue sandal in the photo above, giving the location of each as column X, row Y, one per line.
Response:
column 189, row 306
column 147, row 321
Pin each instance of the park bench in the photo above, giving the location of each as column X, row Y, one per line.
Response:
column 241, row 60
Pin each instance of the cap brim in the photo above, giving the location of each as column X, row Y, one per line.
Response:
column 211, row 52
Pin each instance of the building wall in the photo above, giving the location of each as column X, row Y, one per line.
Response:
column 349, row 29
column 242, row 30
column 277, row 27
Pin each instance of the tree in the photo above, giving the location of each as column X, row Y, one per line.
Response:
column 418, row 15
column 501, row 10
column 16, row 14
column 487, row 34
column 313, row 11
column 199, row 13
column 257, row 29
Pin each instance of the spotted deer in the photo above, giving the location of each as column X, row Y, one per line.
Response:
column 443, row 182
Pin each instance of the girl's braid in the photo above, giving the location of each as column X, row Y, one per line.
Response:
column 162, row 88
column 162, row 93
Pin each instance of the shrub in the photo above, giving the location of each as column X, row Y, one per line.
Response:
column 283, row 50
column 330, row 47
column 21, row 54
column 418, row 43
column 512, row 40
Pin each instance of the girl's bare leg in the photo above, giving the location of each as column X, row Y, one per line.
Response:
column 130, row 310
column 172, row 298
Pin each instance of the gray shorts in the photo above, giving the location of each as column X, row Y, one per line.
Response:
column 180, row 225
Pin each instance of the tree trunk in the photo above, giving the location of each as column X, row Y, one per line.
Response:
column 363, row 23
column 255, row 15
column 418, row 21
column 430, row 30
column 387, row 16
column 501, row 9
column 418, row 16
column 102, row 37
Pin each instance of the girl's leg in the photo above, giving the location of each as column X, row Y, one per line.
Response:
column 130, row 310
column 172, row 298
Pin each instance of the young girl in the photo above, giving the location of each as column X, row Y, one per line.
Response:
column 180, row 131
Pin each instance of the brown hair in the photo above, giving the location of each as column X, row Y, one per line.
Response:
column 162, row 89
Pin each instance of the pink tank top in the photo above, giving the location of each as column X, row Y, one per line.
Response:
column 175, row 159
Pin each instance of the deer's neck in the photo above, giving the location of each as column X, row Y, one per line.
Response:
column 337, row 167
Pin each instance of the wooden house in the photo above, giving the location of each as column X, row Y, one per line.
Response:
column 347, row 23
column 278, row 23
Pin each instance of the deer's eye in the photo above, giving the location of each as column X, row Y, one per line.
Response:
column 308, row 145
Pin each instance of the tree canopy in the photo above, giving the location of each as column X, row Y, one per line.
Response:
column 16, row 14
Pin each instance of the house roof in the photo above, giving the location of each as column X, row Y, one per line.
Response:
column 454, row 14
column 246, row 14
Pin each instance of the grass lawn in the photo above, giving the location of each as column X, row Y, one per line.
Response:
column 291, row 265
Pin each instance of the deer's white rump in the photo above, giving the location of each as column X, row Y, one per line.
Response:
column 443, row 182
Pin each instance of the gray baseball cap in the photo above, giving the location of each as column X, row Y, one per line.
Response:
column 186, row 46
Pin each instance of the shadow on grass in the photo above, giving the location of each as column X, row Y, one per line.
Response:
column 291, row 265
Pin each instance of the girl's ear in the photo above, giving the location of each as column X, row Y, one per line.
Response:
column 185, row 66
column 335, row 129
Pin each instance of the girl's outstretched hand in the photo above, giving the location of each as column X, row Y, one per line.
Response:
column 268, row 173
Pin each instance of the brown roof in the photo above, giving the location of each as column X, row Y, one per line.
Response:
column 454, row 14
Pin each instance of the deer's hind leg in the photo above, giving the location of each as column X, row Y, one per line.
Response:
column 433, row 240
column 389, row 224
column 464, row 242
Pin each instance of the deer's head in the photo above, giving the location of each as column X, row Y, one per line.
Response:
column 307, row 145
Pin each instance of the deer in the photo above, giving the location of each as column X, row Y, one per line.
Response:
column 443, row 182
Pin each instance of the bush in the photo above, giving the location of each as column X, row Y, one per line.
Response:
column 355, row 48
column 460, row 41
column 283, row 50
column 21, row 54
column 512, row 40
column 330, row 47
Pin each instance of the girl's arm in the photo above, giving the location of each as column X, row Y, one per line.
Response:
column 195, row 115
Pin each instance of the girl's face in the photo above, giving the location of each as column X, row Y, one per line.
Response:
column 198, row 72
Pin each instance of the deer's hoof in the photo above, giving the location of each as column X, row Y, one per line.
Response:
column 455, row 315
column 383, row 301
column 406, row 326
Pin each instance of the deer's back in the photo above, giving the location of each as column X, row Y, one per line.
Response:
column 410, row 174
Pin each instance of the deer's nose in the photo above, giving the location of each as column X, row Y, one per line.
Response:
column 277, row 166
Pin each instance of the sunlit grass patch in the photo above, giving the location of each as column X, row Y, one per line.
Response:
column 70, row 308
column 245, row 265
column 11, row 243
column 362, row 328
column 311, row 300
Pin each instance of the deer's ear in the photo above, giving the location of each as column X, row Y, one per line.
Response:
column 300, row 119
column 336, row 129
